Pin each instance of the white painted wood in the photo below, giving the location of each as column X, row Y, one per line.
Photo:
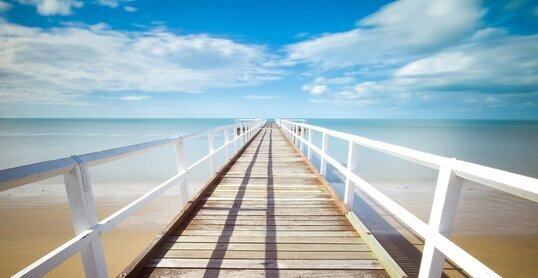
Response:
column 308, row 150
column 445, row 203
column 226, row 141
column 48, row 262
column 84, row 216
column 235, row 139
column 351, row 166
column 181, row 167
column 113, row 220
column 211, row 144
column 324, row 148
column 452, row 173
column 78, row 187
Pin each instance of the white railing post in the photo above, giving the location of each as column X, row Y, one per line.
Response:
column 211, row 144
column 295, row 134
column 301, row 130
column 445, row 203
column 181, row 166
column 226, row 141
column 241, row 135
column 351, row 166
column 80, row 197
column 235, row 139
column 324, row 145
column 308, row 150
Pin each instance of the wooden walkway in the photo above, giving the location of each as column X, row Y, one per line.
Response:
column 267, row 214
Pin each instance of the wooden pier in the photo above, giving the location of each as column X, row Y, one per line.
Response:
column 267, row 213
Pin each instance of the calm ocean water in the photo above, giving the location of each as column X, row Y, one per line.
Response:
column 506, row 145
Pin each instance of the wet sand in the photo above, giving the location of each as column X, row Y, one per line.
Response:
column 34, row 226
column 498, row 229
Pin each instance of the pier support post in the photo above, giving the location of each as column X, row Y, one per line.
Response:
column 211, row 143
column 183, row 186
column 351, row 166
column 445, row 203
column 80, row 197
column 324, row 147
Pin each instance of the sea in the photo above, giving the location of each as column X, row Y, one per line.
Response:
column 508, row 145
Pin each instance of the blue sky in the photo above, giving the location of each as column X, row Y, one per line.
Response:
column 313, row 59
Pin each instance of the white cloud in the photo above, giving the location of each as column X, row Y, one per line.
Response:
column 134, row 98
column 495, row 63
column 79, row 60
column 130, row 9
column 315, row 89
column 4, row 6
column 53, row 7
column 399, row 31
column 262, row 97
column 108, row 3
column 491, row 68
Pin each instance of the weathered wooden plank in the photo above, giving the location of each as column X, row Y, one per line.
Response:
column 276, row 194
column 270, row 228
column 271, row 222
column 269, row 247
column 264, row 264
column 263, row 239
column 275, row 217
column 250, row 222
column 251, row 273
column 284, row 211
column 266, row 206
column 205, row 254
column 267, row 233
column 282, row 199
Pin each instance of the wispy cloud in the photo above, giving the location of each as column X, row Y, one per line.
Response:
column 397, row 32
column 415, row 53
column 53, row 7
column 111, row 3
column 84, row 59
column 4, row 6
column 134, row 98
column 262, row 97
column 130, row 9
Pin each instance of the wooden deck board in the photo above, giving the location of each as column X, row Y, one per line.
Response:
column 268, row 215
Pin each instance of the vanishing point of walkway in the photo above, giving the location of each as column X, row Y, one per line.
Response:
column 267, row 214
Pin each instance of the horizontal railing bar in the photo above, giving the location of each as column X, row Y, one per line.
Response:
column 511, row 183
column 408, row 218
column 20, row 175
column 426, row 159
column 466, row 261
column 13, row 177
column 48, row 262
column 96, row 158
column 110, row 222
column 519, row 185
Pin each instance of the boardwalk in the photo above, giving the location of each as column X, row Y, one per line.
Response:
column 268, row 214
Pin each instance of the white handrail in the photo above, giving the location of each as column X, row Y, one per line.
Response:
column 451, row 174
column 80, row 196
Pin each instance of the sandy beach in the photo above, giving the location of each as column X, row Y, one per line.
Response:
column 496, row 228
column 33, row 226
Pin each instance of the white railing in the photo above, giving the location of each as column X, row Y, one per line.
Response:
column 88, row 229
column 452, row 172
